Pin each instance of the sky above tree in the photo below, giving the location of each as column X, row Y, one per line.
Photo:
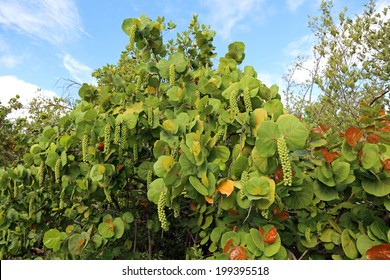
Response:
column 44, row 44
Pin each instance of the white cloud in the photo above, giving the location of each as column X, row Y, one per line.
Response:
column 10, row 86
column 80, row 72
column 301, row 47
column 293, row 5
column 55, row 21
column 225, row 15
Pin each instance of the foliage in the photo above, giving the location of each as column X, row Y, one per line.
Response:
column 155, row 163
column 350, row 64
column 20, row 126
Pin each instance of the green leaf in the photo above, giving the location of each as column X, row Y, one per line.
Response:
column 341, row 170
column 52, row 159
column 219, row 153
column 363, row 243
column 198, row 186
column 301, row 199
column 375, row 187
column 154, row 190
column 127, row 217
column 267, row 135
column 76, row 243
column 163, row 165
column 238, row 166
column 293, row 130
column 325, row 192
column 257, row 239
column 107, row 229
column 349, row 245
column 236, row 52
column 274, row 107
column 256, row 187
column 119, row 227
column 379, row 229
column 52, row 239
column 230, row 235
column 180, row 61
column 370, row 155
column 97, row 172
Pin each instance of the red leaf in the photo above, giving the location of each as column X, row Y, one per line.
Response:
column 386, row 164
column 278, row 174
column 227, row 246
column 373, row 138
column 101, row 146
column 324, row 128
column 261, row 230
column 237, row 253
column 271, row 235
column 352, row 135
column 379, row 252
column 317, row 130
column 280, row 215
column 329, row 157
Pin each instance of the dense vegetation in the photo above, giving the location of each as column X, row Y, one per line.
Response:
column 172, row 157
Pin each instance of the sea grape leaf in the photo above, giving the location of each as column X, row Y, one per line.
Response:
column 349, row 245
column 267, row 135
column 293, row 130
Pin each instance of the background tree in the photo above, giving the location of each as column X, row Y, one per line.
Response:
column 350, row 65
column 18, row 131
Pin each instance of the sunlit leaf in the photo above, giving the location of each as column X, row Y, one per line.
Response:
column 237, row 253
column 379, row 252
column 226, row 187
column 353, row 135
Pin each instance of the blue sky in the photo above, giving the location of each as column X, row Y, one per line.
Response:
column 45, row 42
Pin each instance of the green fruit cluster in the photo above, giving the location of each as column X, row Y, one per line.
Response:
column 41, row 177
column 107, row 193
column 150, row 116
column 247, row 100
column 117, row 133
column 176, row 211
column 149, row 177
column 307, row 234
column 57, row 171
column 123, row 134
column 285, row 161
column 233, row 101
column 133, row 29
column 172, row 73
column 107, row 138
column 84, row 146
column 161, row 211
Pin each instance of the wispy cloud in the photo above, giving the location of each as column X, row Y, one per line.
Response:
column 225, row 15
column 293, row 5
column 55, row 21
column 79, row 71
column 10, row 61
column 10, row 86
column 303, row 46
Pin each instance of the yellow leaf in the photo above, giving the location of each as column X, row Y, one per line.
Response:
column 134, row 108
column 196, row 148
column 205, row 180
column 209, row 199
column 150, row 90
column 260, row 115
column 226, row 187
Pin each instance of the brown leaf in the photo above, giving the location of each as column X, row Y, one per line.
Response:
column 237, row 253
column 379, row 252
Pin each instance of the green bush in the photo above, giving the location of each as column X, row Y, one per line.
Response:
column 170, row 157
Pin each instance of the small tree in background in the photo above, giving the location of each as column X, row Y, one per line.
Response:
column 350, row 65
